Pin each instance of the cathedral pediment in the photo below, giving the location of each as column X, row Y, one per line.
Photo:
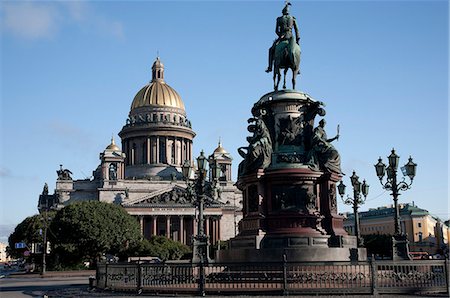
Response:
column 175, row 195
column 170, row 196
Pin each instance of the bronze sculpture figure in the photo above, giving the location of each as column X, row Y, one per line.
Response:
column 285, row 50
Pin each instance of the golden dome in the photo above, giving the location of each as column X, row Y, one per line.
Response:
column 112, row 146
column 157, row 92
column 220, row 149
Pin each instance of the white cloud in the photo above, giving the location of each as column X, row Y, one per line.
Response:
column 112, row 28
column 78, row 10
column 30, row 20
column 37, row 20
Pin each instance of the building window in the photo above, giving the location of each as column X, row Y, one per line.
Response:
column 420, row 237
column 419, row 224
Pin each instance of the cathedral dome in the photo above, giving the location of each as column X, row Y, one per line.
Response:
column 113, row 146
column 220, row 149
column 157, row 92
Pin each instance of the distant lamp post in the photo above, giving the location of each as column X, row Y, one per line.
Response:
column 399, row 241
column 360, row 192
column 200, row 189
column 46, row 219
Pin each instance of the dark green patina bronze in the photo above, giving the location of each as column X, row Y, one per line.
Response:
column 285, row 51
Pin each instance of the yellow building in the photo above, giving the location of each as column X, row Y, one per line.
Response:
column 3, row 255
column 425, row 232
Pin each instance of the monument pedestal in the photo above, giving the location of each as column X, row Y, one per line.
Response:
column 288, row 180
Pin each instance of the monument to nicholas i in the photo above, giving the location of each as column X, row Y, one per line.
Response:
column 289, row 173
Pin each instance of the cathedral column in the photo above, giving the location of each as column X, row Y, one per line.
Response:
column 154, row 222
column 214, row 232
column 157, row 150
column 181, row 229
column 168, row 152
column 168, row 226
column 207, row 226
column 179, row 151
column 141, row 224
column 183, row 150
column 148, row 150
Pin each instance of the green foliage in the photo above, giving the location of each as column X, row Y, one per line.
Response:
column 85, row 231
column 28, row 231
column 161, row 247
column 378, row 244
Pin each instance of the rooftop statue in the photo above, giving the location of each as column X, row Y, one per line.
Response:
column 285, row 51
column 63, row 174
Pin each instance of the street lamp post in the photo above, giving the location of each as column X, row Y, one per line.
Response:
column 200, row 247
column 45, row 220
column 359, row 190
column 399, row 241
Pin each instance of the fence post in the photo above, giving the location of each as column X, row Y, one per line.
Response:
column 285, row 281
column 106, row 275
column 139, row 278
column 201, row 280
column 374, row 275
column 446, row 264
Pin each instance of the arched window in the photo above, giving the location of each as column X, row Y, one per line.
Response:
column 113, row 171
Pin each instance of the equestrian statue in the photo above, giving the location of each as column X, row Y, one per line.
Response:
column 285, row 51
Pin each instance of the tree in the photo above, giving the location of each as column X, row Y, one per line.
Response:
column 84, row 231
column 161, row 247
column 28, row 231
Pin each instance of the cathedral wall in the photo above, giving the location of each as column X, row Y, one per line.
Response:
column 229, row 223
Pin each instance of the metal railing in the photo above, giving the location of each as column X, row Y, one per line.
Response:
column 377, row 277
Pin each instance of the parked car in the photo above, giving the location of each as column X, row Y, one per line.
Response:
column 419, row 255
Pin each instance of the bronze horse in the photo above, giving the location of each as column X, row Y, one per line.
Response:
column 287, row 56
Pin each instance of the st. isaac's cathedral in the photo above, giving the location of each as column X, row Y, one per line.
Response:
column 145, row 177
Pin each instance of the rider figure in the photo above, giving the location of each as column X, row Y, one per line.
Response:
column 285, row 23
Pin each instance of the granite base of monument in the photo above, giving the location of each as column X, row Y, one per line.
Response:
column 297, row 248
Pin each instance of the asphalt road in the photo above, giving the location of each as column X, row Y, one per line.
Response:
column 37, row 287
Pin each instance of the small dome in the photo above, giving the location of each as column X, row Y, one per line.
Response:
column 112, row 146
column 157, row 92
column 220, row 149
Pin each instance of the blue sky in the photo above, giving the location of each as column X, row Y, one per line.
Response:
column 69, row 71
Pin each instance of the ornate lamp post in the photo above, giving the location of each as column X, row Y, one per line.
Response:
column 199, row 188
column 399, row 240
column 359, row 190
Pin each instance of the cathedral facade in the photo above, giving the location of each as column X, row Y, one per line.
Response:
column 144, row 176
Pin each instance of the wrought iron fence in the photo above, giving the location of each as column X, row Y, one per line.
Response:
column 278, row 278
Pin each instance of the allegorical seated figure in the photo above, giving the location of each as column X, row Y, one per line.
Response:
column 323, row 155
column 259, row 150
